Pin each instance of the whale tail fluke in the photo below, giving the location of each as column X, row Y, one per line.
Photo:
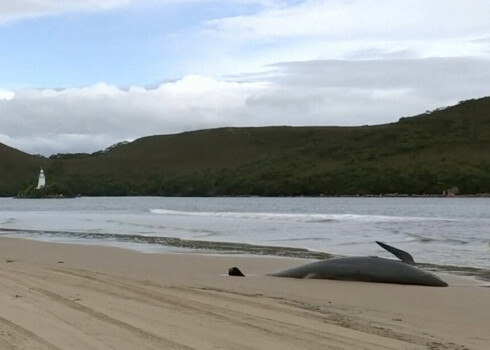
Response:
column 400, row 254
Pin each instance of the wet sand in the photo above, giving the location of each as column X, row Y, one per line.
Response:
column 60, row 296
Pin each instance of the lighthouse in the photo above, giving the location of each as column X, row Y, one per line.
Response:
column 41, row 182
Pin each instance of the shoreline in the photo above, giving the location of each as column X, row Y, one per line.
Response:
column 233, row 249
column 381, row 195
column 65, row 296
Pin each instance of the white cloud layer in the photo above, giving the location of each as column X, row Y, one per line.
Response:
column 11, row 10
column 6, row 95
column 300, row 93
column 401, row 19
column 355, row 29
column 16, row 9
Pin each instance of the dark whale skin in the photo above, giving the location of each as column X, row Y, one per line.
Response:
column 366, row 269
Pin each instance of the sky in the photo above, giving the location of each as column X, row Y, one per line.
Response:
column 82, row 75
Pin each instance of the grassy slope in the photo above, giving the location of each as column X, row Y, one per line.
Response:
column 423, row 154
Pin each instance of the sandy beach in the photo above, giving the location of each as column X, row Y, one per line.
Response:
column 60, row 296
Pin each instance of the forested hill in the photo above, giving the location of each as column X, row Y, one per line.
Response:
column 17, row 167
column 447, row 149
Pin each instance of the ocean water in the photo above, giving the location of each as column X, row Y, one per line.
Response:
column 440, row 231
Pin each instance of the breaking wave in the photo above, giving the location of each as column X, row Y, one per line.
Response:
column 301, row 217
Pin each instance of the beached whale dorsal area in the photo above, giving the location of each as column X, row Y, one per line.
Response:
column 367, row 269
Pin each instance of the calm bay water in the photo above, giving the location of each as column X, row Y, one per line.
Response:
column 443, row 231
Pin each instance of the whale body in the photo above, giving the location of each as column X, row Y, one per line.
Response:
column 367, row 269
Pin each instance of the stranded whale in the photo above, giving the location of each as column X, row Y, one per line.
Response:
column 367, row 269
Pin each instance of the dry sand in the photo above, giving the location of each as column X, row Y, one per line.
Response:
column 58, row 296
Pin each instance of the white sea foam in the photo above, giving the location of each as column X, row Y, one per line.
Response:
column 293, row 217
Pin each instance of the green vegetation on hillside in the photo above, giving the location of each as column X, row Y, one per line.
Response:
column 18, row 170
column 426, row 154
column 52, row 190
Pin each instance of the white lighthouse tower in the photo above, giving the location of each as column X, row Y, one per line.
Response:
column 41, row 182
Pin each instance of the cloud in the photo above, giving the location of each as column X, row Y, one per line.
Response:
column 431, row 77
column 327, row 92
column 16, row 9
column 11, row 10
column 84, row 119
column 360, row 19
column 337, row 29
column 6, row 95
